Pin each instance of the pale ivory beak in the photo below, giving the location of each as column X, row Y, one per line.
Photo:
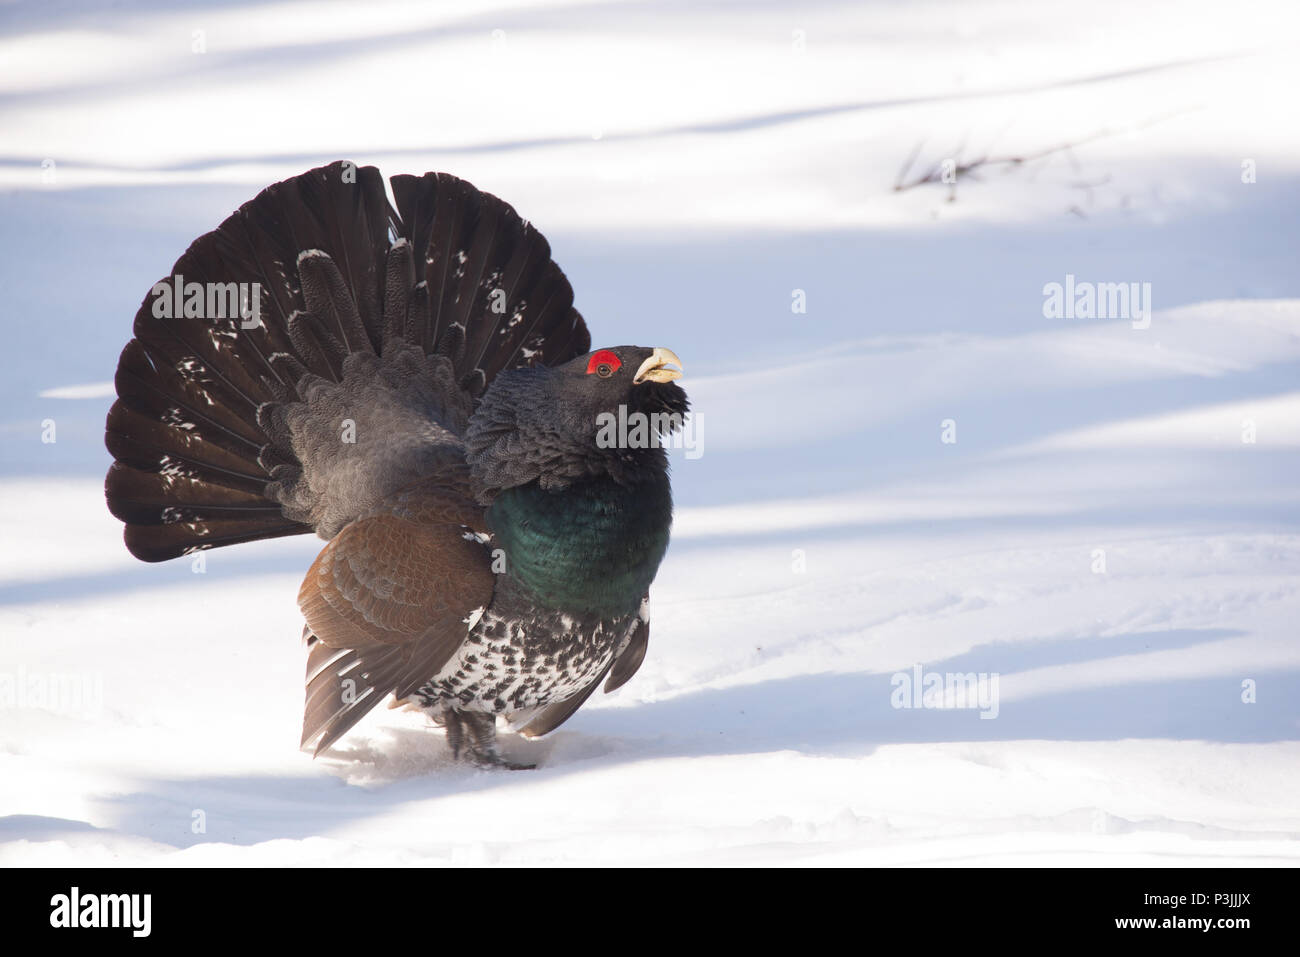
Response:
column 655, row 369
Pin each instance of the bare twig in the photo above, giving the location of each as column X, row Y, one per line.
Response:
column 951, row 169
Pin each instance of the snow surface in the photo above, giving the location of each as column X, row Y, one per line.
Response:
column 1101, row 536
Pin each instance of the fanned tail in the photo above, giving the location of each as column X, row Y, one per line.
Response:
column 332, row 284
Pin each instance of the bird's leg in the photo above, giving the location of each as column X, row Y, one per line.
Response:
column 476, row 732
column 455, row 731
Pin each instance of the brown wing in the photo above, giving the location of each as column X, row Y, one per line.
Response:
column 620, row 671
column 388, row 602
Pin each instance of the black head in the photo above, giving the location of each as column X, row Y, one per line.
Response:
column 601, row 413
column 639, row 379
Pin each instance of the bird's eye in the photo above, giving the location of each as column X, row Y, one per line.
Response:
column 603, row 363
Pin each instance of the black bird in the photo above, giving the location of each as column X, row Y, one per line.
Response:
column 414, row 385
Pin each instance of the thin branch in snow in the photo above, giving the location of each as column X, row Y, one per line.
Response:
column 951, row 169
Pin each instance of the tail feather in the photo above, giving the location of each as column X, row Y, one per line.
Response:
column 136, row 441
column 137, row 494
column 492, row 287
column 340, row 272
column 147, row 384
column 158, row 543
column 317, row 350
column 399, row 287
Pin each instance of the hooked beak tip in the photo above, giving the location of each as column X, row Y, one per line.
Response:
column 656, row 368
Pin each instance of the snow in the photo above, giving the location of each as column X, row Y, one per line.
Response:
column 1114, row 533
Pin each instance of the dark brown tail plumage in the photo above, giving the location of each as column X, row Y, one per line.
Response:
column 194, row 446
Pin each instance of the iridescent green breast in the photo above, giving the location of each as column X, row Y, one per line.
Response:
column 592, row 547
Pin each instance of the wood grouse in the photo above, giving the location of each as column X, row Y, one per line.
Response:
column 411, row 382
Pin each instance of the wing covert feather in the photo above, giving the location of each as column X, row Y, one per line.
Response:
column 388, row 602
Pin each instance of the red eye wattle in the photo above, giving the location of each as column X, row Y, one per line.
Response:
column 603, row 363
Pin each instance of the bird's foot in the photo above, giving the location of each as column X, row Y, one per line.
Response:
column 491, row 759
column 473, row 739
